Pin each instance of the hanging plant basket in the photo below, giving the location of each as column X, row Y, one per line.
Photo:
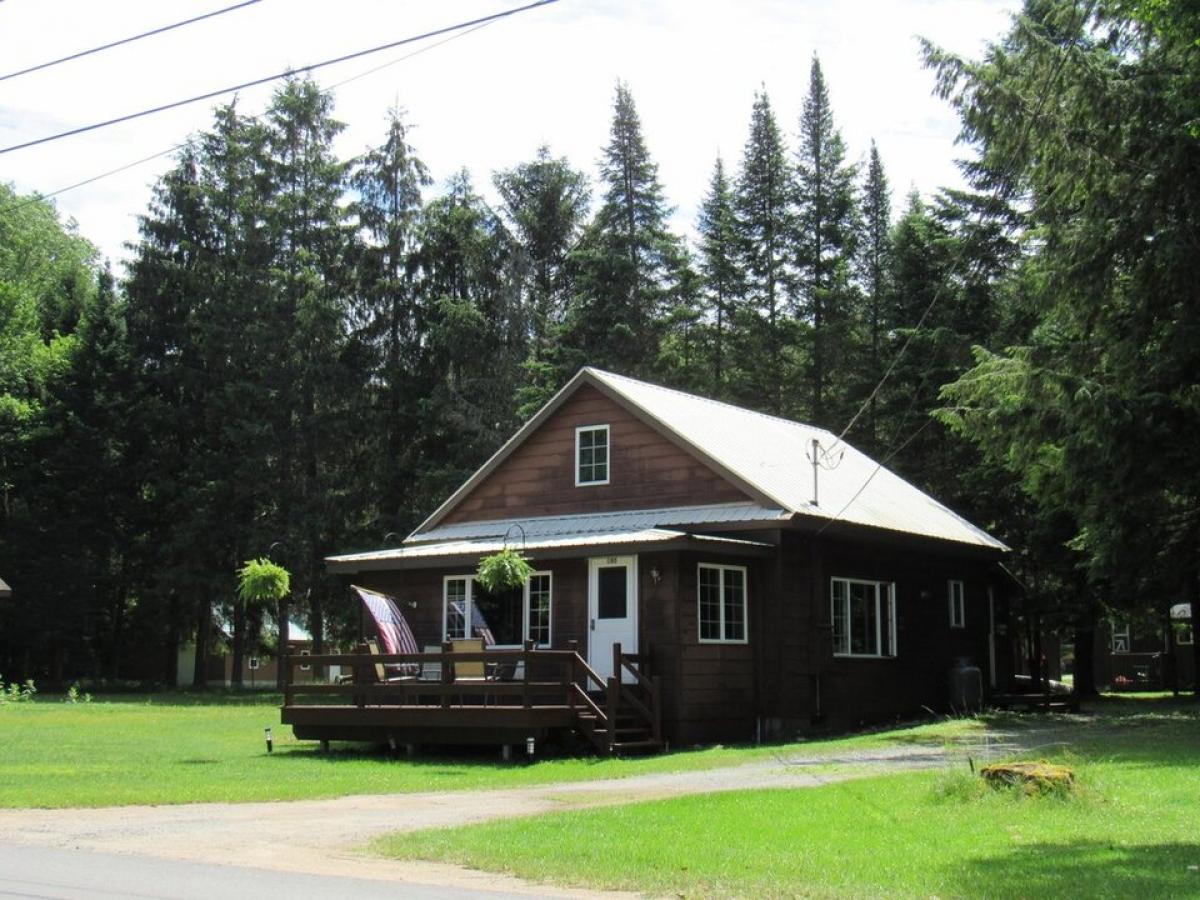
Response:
column 502, row 571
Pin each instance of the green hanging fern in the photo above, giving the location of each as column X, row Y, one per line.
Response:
column 262, row 581
column 502, row 571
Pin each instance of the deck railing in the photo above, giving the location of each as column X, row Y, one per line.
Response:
column 526, row 677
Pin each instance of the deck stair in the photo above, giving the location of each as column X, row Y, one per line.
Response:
column 623, row 713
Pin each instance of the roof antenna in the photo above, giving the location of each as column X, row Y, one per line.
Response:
column 821, row 459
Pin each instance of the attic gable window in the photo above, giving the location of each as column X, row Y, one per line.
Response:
column 591, row 455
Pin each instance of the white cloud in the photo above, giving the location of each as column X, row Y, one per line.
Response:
column 488, row 99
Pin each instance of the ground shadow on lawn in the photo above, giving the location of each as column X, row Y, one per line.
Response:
column 1085, row 869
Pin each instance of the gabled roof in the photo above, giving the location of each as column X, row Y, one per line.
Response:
column 766, row 456
column 5, row 590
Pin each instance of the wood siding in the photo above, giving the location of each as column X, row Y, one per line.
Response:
column 646, row 470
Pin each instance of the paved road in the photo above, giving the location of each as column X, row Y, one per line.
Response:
column 43, row 873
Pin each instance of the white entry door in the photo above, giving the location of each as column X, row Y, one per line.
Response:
column 612, row 610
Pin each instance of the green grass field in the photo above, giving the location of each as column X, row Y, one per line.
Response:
column 1132, row 830
column 185, row 748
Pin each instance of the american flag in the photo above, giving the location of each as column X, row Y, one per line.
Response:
column 479, row 625
column 394, row 633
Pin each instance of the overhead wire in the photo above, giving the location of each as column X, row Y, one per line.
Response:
column 939, row 289
column 129, row 40
column 17, row 204
column 311, row 67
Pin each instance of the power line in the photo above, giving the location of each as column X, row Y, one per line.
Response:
column 268, row 78
column 130, row 40
column 1048, row 88
column 19, row 204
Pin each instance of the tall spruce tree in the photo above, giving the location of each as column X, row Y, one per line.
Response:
column 765, row 225
column 825, row 231
column 545, row 206
column 626, row 259
column 720, row 268
column 389, row 180
column 874, row 261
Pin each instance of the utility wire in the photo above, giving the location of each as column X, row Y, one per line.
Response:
column 268, row 78
column 939, row 289
column 35, row 198
column 130, row 40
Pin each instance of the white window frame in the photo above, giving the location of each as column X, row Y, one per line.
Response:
column 958, row 603
column 1120, row 632
column 885, row 592
column 579, row 430
column 722, row 569
column 470, row 602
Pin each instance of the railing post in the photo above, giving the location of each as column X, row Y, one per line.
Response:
column 285, row 660
column 526, row 662
column 616, row 669
column 614, row 701
column 447, row 671
column 571, row 675
column 361, row 670
column 656, row 700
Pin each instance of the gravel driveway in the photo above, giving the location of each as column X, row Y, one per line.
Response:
column 326, row 837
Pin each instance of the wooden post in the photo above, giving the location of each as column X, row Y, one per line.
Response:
column 361, row 670
column 285, row 676
column 656, row 700
column 614, row 700
column 616, row 669
column 447, row 670
column 526, row 662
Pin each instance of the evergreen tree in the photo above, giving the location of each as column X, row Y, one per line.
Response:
column 721, row 270
column 626, row 259
column 388, row 180
column 545, row 205
column 874, row 262
column 765, row 226
column 825, row 231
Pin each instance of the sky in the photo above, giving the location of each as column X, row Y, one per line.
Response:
column 488, row 99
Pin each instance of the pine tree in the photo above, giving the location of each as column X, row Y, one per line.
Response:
column 765, row 225
column 825, row 244
column 545, row 205
column 720, row 268
column 874, row 261
column 388, row 180
column 626, row 258
column 308, row 222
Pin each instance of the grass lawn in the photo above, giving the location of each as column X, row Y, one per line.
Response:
column 184, row 748
column 1133, row 829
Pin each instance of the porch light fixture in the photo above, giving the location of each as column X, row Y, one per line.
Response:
column 655, row 575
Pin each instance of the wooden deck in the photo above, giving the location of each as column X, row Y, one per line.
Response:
column 429, row 698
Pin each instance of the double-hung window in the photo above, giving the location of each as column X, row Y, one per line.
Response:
column 722, row 604
column 864, row 617
column 504, row 618
column 591, row 455
column 958, row 608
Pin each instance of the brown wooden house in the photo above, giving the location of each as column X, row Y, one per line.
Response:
column 754, row 593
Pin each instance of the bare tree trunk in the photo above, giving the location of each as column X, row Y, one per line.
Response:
column 1085, row 645
column 203, row 627
column 239, row 642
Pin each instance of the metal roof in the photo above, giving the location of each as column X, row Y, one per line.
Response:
column 5, row 590
column 770, row 455
column 593, row 523
column 1181, row 611
column 766, row 456
column 470, row 548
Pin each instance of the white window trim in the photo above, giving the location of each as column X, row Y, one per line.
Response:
column 890, row 600
column 1123, row 632
column 958, row 604
column 721, row 600
column 470, row 599
column 607, row 455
